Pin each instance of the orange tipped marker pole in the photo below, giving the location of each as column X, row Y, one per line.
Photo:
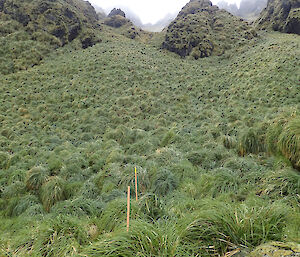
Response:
column 136, row 189
column 128, row 208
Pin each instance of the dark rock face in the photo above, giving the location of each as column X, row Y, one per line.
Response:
column 202, row 29
column 281, row 15
column 115, row 12
column 293, row 22
column 1, row 5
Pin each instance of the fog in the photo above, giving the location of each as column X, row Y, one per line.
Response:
column 155, row 14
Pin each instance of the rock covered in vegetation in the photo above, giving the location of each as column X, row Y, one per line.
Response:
column 275, row 249
column 61, row 21
column 281, row 15
column 202, row 29
column 29, row 30
column 117, row 19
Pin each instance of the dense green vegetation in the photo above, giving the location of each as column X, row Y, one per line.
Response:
column 29, row 30
column 216, row 144
column 201, row 29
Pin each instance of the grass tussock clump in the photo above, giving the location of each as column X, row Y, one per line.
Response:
column 165, row 181
column 289, row 142
column 211, row 232
column 281, row 183
column 250, row 142
column 59, row 236
column 224, row 227
column 114, row 214
column 36, row 177
column 143, row 239
column 283, row 138
column 52, row 192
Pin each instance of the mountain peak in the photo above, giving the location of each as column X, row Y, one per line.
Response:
column 115, row 12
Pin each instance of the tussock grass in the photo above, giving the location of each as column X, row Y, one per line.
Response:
column 250, row 142
column 289, row 141
column 281, row 183
column 143, row 239
column 36, row 177
column 223, row 227
column 74, row 128
column 52, row 191
column 164, row 182
column 114, row 214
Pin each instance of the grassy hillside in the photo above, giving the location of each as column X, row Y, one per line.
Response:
column 29, row 30
column 215, row 143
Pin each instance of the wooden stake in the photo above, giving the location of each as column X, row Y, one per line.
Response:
column 136, row 189
column 128, row 208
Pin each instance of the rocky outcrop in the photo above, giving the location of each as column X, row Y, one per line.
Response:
column 201, row 29
column 281, row 15
column 276, row 249
column 115, row 12
column 64, row 20
column 116, row 21
column 33, row 28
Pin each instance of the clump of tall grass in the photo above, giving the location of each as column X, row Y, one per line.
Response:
column 59, row 236
column 17, row 206
column 152, row 206
column 168, row 138
column 164, row 182
column 272, row 136
column 250, row 142
column 289, row 142
column 218, row 182
column 281, row 183
column 15, row 189
column 79, row 207
column 229, row 142
column 36, row 177
column 52, row 192
column 89, row 190
column 222, row 227
column 114, row 214
column 185, row 169
column 143, row 239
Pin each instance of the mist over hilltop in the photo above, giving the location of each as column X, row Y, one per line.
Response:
column 247, row 9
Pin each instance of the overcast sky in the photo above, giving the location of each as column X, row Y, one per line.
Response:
column 149, row 11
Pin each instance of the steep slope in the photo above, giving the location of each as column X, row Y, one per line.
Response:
column 281, row 15
column 30, row 29
column 202, row 29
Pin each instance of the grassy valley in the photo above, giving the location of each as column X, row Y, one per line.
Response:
column 215, row 142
